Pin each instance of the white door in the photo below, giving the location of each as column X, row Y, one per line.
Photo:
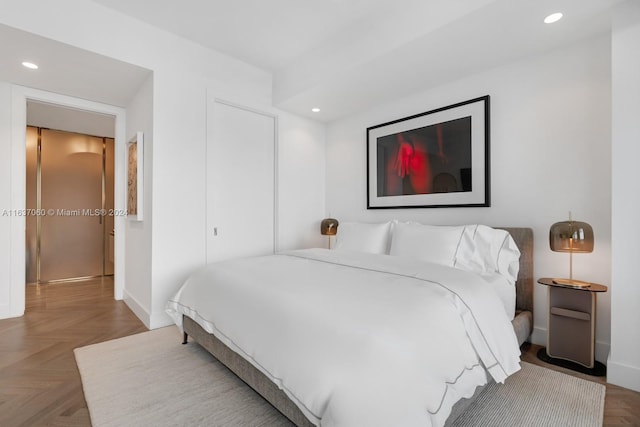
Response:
column 240, row 182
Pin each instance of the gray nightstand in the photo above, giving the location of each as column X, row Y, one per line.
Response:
column 571, row 327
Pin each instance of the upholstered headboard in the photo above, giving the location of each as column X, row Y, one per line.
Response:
column 524, row 284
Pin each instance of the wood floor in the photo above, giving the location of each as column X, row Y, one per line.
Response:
column 39, row 380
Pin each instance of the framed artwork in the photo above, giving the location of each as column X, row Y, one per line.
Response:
column 431, row 160
column 135, row 175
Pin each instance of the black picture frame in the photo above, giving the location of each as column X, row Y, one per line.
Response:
column 436, row 159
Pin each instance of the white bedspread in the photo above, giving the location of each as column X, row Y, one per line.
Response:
column 357, row 339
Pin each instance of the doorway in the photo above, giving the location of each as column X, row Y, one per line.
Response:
column 22, row 97
column 69, row 183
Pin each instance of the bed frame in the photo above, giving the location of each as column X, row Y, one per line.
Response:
column 522, row 323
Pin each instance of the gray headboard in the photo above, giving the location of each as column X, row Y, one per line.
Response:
column 524, row 284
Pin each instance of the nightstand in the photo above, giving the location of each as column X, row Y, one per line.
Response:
column 571, row 327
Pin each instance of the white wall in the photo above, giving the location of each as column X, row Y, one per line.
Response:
column 183, row 72
column 6, row 309
column 624, row 360
column 301, row 182
column 137, row 238
column 550, row 153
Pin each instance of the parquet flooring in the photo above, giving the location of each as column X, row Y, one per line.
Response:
column 39, row 380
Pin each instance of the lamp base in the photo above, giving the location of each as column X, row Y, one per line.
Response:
column 571, row 282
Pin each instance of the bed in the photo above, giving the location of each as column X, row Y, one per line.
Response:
column 340, row 388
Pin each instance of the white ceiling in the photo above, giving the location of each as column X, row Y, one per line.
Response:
column 266, row 33
column 339, row 55
column 50, row 116
column 345, row 55
column 99, row 78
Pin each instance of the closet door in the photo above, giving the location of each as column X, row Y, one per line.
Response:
column 240, row 182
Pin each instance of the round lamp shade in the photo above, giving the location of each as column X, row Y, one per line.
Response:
column 571, row 236
column 329, row 227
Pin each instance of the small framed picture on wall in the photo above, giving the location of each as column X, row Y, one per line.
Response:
column 135, row 177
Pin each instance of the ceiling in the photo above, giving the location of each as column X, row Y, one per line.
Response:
column 345, row 55
column 341, row 56
column 42, row 114
column 99, row 78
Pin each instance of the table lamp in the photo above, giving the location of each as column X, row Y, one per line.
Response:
column 571, row 236
column 329, row 227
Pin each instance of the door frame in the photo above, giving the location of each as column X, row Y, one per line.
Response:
column 20, row 96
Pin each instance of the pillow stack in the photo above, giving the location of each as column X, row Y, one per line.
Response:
column 477, row 248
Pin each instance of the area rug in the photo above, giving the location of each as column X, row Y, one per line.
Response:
column 537, row 396
column 151, row 379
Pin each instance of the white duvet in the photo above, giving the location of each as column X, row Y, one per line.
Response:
column 357, row 339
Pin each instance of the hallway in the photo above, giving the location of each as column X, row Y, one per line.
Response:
column 39, row 380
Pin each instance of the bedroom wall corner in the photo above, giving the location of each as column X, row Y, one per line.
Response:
column 301, row 182
column 624, row 359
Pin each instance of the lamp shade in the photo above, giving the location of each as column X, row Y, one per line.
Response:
column 571, row 236
column 329, row 227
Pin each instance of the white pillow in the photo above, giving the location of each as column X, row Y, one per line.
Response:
column 487, row 250
column 361, row 237
column 436, row 244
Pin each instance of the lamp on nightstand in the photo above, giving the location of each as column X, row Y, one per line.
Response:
column 329, row 227
column 571, row 236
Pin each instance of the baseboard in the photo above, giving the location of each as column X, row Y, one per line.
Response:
column 7, row 312
column 623, row 375
column 539, row 336
column 137, row 309
column 160, row 320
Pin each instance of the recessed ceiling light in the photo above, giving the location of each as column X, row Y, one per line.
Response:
column 315, row 110
column 554, row 17
column 30, row 65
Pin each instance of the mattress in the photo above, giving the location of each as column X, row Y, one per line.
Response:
column 357, row 339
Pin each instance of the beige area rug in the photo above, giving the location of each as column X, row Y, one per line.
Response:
column 150, row 379
column 537, row 396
